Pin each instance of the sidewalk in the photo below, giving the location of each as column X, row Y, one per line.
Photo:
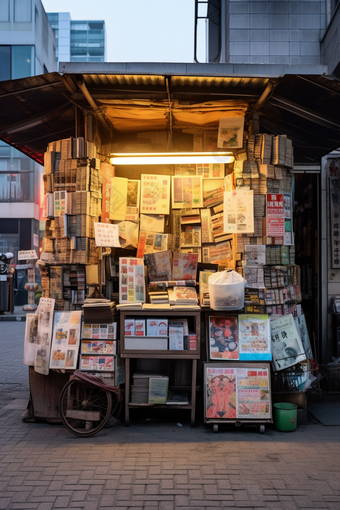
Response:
column 17, row 315
column 160, row 465
column 155, row 463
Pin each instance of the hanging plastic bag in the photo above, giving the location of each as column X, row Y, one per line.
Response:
column 226, row 289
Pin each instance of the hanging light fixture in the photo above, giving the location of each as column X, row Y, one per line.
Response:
column 171, row 158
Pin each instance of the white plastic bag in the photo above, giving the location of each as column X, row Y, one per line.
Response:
column 226, row 289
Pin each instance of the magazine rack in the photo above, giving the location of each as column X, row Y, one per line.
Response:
column 194, row 317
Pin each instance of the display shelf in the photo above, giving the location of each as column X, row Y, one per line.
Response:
column 194, row 318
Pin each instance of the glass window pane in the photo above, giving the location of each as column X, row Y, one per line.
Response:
column 23, row 11
column 5, row 63
column 5, row 151
column 4, row 186
column 4, row 10
column 22, row 61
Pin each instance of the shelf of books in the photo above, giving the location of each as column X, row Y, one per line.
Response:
column 160, row 335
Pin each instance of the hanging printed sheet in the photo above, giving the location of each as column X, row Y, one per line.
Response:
column 239, row 211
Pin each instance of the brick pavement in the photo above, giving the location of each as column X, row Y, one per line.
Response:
column 155, row 464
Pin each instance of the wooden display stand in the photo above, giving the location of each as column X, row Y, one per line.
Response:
column 129, row 354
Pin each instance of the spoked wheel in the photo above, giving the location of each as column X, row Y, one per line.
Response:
column 84, row 408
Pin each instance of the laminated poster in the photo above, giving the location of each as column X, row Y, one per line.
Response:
column 254, row 337
column 155, row 194
column 237, row 392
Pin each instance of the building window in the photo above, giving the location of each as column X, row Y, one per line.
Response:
column 5, row 63
column 16, row 187
column 22, row 11
column 22, row 61
column 4, row 11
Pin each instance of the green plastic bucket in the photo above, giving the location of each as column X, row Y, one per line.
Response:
column 285, row 416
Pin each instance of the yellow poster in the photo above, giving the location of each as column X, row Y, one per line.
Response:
column 118, row 198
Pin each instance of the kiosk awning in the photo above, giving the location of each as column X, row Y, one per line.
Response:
column 138, row 97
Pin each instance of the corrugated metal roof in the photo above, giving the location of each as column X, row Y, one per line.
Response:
column 40, row 109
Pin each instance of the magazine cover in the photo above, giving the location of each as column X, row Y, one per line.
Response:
column 220, row 392
column 286, row 343
column 131, row 280
column 65, row 340
column 254, row 337
column 158, row 266
column 184, row 266
column 223, row 338
column 184, row 294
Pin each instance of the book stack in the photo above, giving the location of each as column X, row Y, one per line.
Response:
column 73, row 188
column 140, row 388
column 98, row 311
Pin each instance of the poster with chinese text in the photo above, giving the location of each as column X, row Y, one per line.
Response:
column 275, row 215
column 286, row 343
column 106, row 234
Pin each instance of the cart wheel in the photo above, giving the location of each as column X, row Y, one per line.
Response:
column 262, row 429
column 215, row 428
column 84, row 408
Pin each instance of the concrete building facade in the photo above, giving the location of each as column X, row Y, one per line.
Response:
column 274, row 32
column 76, row 40
column 27, row 48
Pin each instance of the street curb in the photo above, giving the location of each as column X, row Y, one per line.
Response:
column 13, row 318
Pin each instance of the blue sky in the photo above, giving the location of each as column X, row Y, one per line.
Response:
column 140, row 30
